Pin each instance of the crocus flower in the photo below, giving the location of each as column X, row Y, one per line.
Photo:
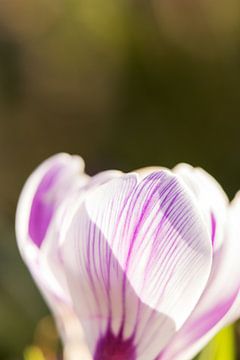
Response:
column 145, row 263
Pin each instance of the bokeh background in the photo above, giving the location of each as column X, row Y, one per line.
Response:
column 123, row 83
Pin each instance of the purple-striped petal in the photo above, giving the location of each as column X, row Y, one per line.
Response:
column 210, row 197
column 44, row 202
column 148, row 170
column 42, row 194
column 218, row 304
column 38, row 221
column 132, row 253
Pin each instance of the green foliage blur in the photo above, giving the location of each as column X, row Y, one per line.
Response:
column 125, row 84
column 222, row 347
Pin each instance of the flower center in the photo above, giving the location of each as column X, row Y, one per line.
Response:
column 114, row 347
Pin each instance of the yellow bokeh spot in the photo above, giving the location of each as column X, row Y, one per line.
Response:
column 33, row 353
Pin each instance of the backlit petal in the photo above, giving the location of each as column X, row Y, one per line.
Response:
column 132, row 253
column 42, row 194
column 218, row 304
column 210, row 197
column 39, row 212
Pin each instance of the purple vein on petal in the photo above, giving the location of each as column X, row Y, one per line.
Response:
column 213, row 226
column 99, row 257
column 152, row 254
column 92, row 272
column 110, row 262
column 42, row 208
column 114, row 347
column 167, row 205
column 150, row 190
column 128, row 232
column 163, row 190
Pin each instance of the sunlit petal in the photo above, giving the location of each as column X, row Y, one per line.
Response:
column 218, row 305
column 42, row 194
column 38, row 219
column 210, row 197
column 132, row 253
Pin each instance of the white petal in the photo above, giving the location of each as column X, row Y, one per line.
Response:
column 218, row 304
column 132, row 254
column 42, row 193
column 210, row 197
column 38, row 226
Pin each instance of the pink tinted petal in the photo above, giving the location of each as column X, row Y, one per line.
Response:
column 42, row 209
column 38, row 224
column 83, row 244
column 210, row 197
column 50, row 248
column 38, row 210
column 47, row 195
column 42, row 194
column 218, row 304
column 132, row 253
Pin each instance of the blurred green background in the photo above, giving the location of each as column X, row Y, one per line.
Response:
column 123, row 83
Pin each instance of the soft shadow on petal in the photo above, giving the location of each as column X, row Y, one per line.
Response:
column 46, row 197
column 218, row 304
column 210, row 197
column 51, row 257
column 108, row 307
column 132, row 253
column 102, row 178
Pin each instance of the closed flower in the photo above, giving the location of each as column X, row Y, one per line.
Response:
column 144, row 264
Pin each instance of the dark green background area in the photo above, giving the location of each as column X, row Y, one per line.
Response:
column 125, row 84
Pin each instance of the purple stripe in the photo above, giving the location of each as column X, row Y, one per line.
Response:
column 214, row 225
column 43, row 207
column 112, row 347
